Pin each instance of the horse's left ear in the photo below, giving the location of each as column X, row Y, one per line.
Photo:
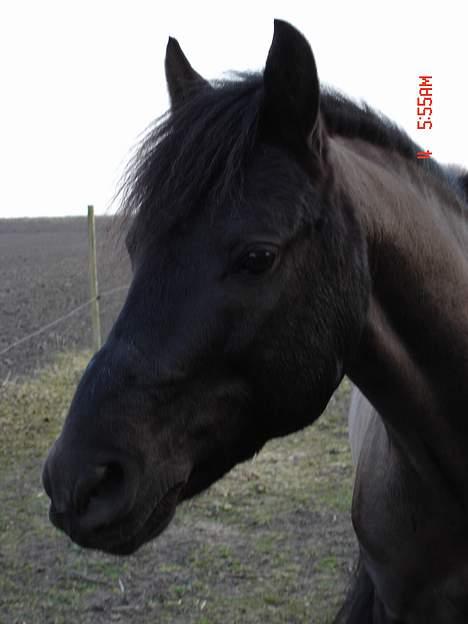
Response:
column 181, row 78
column 291, row 87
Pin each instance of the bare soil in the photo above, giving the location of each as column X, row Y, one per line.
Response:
column 43, row 276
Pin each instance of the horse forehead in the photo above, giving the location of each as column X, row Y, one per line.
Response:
column 176, row 260
column 214, row 230
column 271, row 195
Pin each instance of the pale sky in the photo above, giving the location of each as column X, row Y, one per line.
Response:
column 81, row 80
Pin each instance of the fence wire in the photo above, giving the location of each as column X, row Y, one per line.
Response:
column 82, row 306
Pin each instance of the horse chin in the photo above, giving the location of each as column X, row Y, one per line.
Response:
column 158, row 520
column 162, row 515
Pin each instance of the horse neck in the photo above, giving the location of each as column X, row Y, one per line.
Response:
column 412, row 362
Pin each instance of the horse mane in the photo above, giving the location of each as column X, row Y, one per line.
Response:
column 194, row 155
column 197, row 153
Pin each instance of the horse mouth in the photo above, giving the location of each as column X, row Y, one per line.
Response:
column 117, row 540
column 157, row 522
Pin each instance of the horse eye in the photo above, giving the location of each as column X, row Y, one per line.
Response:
column 258, row 261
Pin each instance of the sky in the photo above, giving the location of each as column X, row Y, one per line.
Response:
column 80, row 81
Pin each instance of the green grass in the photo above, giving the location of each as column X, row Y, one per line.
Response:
column 271, row 542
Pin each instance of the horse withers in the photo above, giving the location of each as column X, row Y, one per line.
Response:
column 282, row 236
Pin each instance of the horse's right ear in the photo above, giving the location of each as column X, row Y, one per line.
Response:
column 291, row 90
column 181, row 78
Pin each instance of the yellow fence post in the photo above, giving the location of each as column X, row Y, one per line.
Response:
column 93, row 282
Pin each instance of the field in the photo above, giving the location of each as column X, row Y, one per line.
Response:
column 44, row 275
column 270, row 543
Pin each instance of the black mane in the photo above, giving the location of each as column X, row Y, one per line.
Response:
column 197, row 153
column 351, row 119
column 193, row 155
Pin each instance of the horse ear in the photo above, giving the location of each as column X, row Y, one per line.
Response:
column 181, row 78
column 291, row 87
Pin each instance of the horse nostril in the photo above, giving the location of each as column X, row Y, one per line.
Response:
column 85, row 497
column 103, row 483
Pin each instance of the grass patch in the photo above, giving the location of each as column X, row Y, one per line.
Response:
column 271, row 542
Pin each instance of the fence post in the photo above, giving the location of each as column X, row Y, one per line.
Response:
column 93, row 282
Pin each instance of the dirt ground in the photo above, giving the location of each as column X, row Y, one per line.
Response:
column 270, row 543
column 44, row 275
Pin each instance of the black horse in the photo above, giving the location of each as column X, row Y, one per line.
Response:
column 281, row 237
